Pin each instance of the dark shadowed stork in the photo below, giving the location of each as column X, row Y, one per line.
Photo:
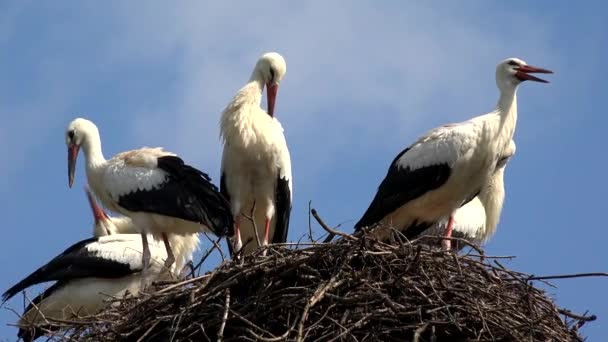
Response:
column 477, row 220
column 448, row 166
column 156, row 189
column 256, row 166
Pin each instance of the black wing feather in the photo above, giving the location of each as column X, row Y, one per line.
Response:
column 192, row 197
column 282, row 210
column 76, row 262
column 401, row 186
column 230, row 232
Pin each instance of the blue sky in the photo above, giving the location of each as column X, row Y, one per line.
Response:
column 364, row 79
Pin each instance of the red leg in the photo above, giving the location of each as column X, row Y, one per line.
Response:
column 447, row 244
column 266, row 232
column 237, row 234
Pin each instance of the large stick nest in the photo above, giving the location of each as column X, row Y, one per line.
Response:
column 355, row 289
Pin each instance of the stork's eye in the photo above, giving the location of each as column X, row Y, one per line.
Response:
column 513, row 63
column 71, row 135
column 271, row 75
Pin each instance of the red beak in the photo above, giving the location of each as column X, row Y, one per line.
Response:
column 72, row 156
column 524, row 71
column 98, row 213
column 271, row 93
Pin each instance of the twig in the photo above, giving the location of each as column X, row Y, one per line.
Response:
column 418, row 332
column 310, row 223
column 251, row 218
column 220, row 334
column 141, row 338
column 568, row 276
column 330, row 230
column 217, row 246
column 570, row 314
column 317, row 296
column 207, row 254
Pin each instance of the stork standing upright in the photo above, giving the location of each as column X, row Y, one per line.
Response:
column 93, row 270
column 477, row 220
column 156, row 189
column 256, row 166
column 448, row 166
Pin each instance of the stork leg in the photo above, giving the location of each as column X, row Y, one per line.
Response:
column 238, row 244
column 170, row 257
column 145, row 260
column 266, row 233
column 446, row 243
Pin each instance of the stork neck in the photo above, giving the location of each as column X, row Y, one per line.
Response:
column 507, row 102
column 249, row 95
column 506, row 109
column 91, row 147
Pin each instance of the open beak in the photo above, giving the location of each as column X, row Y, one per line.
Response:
column 271, row 93
column 72, row 155
column 98, row 213
column 524, row 71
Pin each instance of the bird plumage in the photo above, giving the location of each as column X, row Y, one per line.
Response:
column 449, row 165
column 477, row 220
column 256, row 165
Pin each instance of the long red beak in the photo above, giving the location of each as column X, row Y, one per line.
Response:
column 98, row 213
column 271, row 93
column 72, row 156
column 524, row 71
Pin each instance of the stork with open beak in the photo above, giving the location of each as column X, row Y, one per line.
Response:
column 448, row 166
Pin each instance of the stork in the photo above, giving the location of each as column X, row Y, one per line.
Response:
column 447, row 167
column 477, row 220
column 90, row 272
column 256, row 166
column 156, row 189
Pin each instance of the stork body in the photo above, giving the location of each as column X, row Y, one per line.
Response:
column 256, row 165
column 156, row 189
column 94, row 270
column 477, row 220
column 447, row 167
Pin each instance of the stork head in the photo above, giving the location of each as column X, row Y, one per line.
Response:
column 513, row 71
column 271, row 68
column 78, row 134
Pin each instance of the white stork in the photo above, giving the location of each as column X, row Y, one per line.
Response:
column 155, row 188
column 94, row 270
column 477, row 220
column 448, row 166
column 256, row 166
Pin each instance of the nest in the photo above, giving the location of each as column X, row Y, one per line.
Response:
column 354, row 289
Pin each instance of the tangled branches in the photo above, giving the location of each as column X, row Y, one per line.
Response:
column 355, row 289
